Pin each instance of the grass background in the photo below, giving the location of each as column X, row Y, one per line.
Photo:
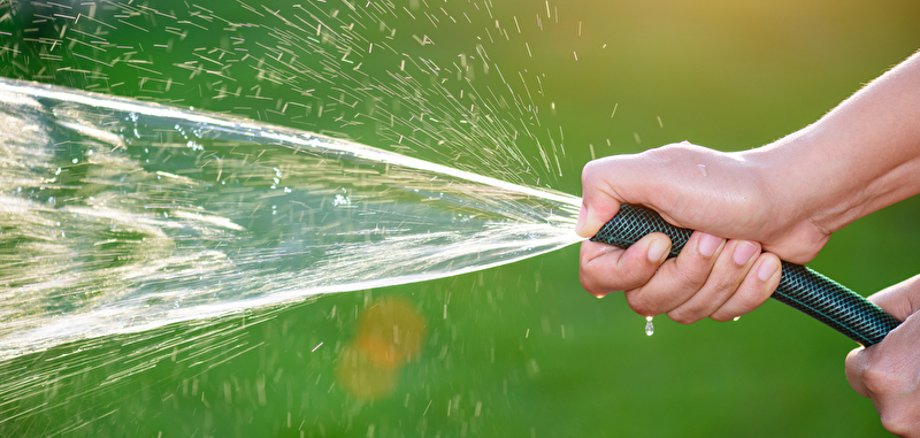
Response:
column 521, row 350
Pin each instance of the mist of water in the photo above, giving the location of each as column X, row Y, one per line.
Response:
column 119, row 216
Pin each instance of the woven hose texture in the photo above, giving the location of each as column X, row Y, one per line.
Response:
column 802, row 288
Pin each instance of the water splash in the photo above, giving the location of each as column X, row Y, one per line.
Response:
column 120, row 216
column 448, row 82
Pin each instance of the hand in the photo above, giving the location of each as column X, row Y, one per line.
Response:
column 889, row 372
column 785, row 199
column 722, row 194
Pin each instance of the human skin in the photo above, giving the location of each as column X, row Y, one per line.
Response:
column 889, row 372
column 784, row 199
column 751, row 208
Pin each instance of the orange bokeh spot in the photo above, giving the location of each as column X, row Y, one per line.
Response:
column 361, row 377
column 390, row 334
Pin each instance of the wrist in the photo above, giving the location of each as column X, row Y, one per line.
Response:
column 805, row 183
column 822, row 176
column 795, row 190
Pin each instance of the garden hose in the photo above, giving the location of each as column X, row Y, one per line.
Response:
column 800, row 287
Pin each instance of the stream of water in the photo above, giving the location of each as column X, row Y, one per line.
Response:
column 119, row 216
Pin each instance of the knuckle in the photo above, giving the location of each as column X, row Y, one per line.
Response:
column 660, row 156
column 592, row 282
column 852, row 358
column 589, row 172
column 682, row 316
column 801, row 246
column 672, row 152
column 692, row 275
column 587, row 280
column 633, row 277
column 746, row 300
column 639, row 303
column 664, row 151
column 895, row 421
column 593, row 290
column 880, row 379
column 726, row 280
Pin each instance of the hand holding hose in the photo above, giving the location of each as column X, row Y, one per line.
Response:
column 719, row 194
column 785, row 200
column 888, row 372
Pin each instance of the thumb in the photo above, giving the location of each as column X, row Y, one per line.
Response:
column 900, row 300
column 600, row 199
column 599, row 202
column 594, row 214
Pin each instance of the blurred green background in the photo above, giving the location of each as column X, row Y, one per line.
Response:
column 519, row 350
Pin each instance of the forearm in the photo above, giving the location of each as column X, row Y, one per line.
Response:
column 861, row 157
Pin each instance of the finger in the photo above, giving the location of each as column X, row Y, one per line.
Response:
column 603, row 270
column 678, row 278
column 900, row 300
column 730, row 268
column 856, row 363
column 757, row 286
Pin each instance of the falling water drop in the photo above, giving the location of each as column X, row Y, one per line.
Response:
column 649, row 326
column 736, row 318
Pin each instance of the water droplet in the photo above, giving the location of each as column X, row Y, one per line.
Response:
column 702, row 168
column 649, row 326
column 736, row 318
column 341, row 200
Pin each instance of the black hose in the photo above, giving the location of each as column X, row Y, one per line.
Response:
column 800, row 287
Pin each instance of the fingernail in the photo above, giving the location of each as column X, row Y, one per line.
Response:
column 708, row 244
column 767, row 268
column 582, row 218
column 743, row 252
column 657, row 250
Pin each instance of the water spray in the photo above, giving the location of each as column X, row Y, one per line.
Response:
column 127, row 216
